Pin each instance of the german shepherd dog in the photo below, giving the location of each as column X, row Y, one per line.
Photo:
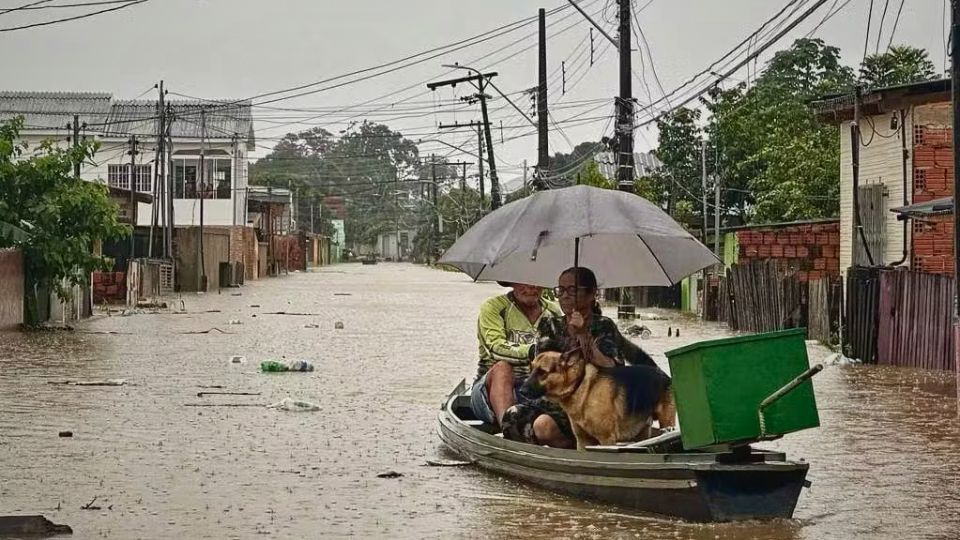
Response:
column 605, row 405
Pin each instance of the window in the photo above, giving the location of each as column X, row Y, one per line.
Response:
column 217, row 178
column 118, row 176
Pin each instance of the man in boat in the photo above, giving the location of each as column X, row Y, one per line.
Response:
column 507, row 332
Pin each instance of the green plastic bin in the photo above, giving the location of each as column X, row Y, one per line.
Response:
column 719, row 384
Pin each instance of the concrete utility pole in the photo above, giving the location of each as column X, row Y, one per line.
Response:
column 703, row 170
column 955, row 94
column 202, row 192
column 625, row 104
column 133, row 189
column 480, row 81
column 543, row 152
column 716, row 214
column 480, row 167
column 75, row 141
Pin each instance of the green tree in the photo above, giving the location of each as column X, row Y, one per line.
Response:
column 776, row 161
column 51, row 215
column 590, row 175
column 901, row 64
column 678, row 149
column 366, row 164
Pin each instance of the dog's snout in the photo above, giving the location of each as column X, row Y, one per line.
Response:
column 532, row 388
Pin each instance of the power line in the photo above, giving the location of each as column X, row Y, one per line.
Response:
column 886, row 4
column 74, row 18
column 866, row 38
column 896, row 21
column 26, row 6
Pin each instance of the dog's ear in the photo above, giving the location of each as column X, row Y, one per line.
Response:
column 568, row 357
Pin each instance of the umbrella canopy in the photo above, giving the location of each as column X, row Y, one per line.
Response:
column 625, row 239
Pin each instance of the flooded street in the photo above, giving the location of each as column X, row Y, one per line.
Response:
column 884, row 464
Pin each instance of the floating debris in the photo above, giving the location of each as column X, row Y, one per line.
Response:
column 201, row 394
column 34, row 526
column 390, row 474
column 294, row 405
column 107, row 382
column 447, row 463
column 338, row 325
column 65, row 434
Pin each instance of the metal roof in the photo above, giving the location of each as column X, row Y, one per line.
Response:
column 936, row 207
column 54, row 110
column 839, row 107
column 223, row 119
column 46, row 111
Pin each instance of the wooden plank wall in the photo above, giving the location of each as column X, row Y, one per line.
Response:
column 914, row 322
column 860, row 326
column 761, row 296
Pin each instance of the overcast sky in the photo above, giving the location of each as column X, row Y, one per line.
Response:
column 242, row 48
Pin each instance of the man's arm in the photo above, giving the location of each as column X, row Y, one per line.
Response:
column 493, row 336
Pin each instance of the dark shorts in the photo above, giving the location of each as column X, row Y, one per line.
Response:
column 480, row 403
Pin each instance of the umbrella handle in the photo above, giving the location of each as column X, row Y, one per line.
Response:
column 540, row 237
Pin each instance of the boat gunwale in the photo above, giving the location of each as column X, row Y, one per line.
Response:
column 595, row 462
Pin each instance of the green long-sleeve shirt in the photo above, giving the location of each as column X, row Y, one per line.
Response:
column 505, row 333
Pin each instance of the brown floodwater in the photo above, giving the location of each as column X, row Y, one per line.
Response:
column 884, row 464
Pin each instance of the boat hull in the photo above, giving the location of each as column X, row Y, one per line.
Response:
column 695, row 486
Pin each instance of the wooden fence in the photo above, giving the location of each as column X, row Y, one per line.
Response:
column 915, row 320
column 764, row 296
column 860, row 320
column 758, row 297
column 899, row 317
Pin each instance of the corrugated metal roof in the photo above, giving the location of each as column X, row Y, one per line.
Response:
column 936, row 207
column 54, row 110
column 44, row 111
column 223, row 120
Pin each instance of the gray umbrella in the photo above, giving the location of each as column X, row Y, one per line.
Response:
column 625, row 239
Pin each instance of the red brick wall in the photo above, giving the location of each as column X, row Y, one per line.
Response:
column 289, row 251
column 813, row 250
column 250, row 253
column 932, row 179
column 109, row 287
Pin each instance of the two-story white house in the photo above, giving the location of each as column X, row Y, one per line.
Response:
column 205, row 155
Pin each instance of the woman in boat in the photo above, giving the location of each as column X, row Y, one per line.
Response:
column 583, row 324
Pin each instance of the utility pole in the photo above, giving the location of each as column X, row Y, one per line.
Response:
column 75, row 128
column 435, row 222
column 203, row 192
column 463, row 196
column 133, row 201
column 625, row 104
column 480, row 166
column 524, row 176
column 955, row 93
column 703, row 169
column 157, row 206
column 716, row 214
column 396, row 212
column 543, row 150
column 171, row 178
column 480, row 81
column 479, row 126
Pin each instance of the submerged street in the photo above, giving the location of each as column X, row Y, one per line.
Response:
column 148, row 462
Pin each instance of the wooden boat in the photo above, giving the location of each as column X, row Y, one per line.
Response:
column 658, row 476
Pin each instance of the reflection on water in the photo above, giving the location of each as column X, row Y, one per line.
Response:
column 883, row 465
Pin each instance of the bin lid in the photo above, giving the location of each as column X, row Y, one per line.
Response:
column 736, row 340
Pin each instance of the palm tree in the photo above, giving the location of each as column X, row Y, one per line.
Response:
column 900, row 64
